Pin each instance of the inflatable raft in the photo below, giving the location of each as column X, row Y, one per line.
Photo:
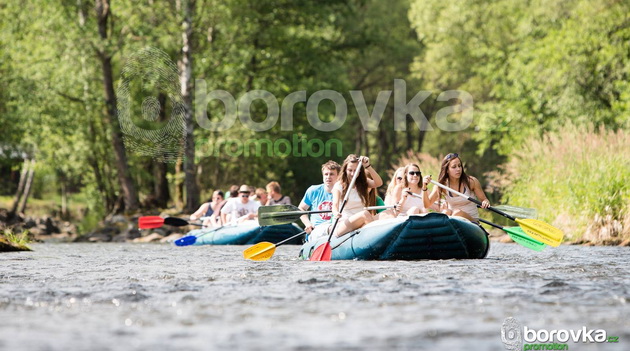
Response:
column 246, row 233
column 432, row 236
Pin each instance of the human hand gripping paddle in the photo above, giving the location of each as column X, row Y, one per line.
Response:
column 282, row 214
column 538, row 230
column 324, row 251
column 516, row 233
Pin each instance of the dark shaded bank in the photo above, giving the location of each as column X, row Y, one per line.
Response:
column 117, row 228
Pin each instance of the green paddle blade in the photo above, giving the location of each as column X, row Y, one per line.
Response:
column 260, row 252
column 279, row 214
column 541, row 231
column 520, row 237
column 518, row 212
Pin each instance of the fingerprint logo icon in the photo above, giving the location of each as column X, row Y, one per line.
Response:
column 151, row 73
column 512, row 334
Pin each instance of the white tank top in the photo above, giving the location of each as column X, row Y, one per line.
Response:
column 459, row 203
column 354, row 204
column 411, row 202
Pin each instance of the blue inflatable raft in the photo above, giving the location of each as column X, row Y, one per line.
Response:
column 432, row 236
column 246, row 233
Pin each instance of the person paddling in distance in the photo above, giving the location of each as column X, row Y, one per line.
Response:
column 210, row 210
column 353, row 215
column 275, row 195
column 240, row 208
column 411, row 183
column 319, row 197
column 452, row 175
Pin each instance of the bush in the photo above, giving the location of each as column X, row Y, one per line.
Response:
column 578, row 179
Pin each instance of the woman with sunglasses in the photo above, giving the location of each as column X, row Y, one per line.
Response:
column 353, row 215
column 452, row 175
column 412, row 183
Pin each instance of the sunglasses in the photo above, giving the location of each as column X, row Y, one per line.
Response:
column 414, row 173
column 399, row 178
column 244, row 194
column 451, row 156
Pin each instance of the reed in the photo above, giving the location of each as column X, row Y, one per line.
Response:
column 578, row 179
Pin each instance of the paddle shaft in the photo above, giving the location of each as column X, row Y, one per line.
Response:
column 215, row 229
column 477, row 202
column 490, row 223
column 345, row 199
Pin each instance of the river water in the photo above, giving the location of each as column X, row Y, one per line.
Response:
column 162, row 297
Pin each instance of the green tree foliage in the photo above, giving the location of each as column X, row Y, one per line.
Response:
column 532, row 66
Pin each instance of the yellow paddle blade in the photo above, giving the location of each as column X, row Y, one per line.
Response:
column 260, row 252
column 541, row 231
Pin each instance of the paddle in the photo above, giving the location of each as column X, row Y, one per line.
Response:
column 191, row 239
column 264, row 250
column 539, row 230
column 283, row 214
column 324, row 251
column 519, row 236
column 514, row 211
column 520, row 212
column 148, row 222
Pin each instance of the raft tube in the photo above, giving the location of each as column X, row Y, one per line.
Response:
column 431, row 236
column 246, row 233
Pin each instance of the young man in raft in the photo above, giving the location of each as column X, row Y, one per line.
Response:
column 319, row 198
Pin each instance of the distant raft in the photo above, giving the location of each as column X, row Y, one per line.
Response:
column 432, row 236
column 246, row 233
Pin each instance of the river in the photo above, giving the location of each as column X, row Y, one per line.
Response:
column 162, row 297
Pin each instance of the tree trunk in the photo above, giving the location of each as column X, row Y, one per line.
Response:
column 124, row 179
column 179, row 185
column 160, row 169
column 160, row 186
column 27, row 187
column 20, row 189
column 186, row 66
column 64, row 200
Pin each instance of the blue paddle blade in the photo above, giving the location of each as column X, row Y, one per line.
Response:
column 185, row 241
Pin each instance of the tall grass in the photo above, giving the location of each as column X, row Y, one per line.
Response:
column 578, row 179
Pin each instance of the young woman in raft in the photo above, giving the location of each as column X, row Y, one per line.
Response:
column 353, row 215
column 452, row 175
column 396, row 179
column 412, row 182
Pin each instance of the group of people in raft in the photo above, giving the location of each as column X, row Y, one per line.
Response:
column 408, row 193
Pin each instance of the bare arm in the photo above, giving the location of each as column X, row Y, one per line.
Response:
column 376, row 180
column 481, row 196
column 200, row 212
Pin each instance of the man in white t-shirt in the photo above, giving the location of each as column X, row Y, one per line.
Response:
column 240, row 208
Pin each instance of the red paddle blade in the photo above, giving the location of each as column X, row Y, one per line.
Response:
column 322, row 253
column 150, row 222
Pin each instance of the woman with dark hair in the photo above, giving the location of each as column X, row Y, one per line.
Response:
column 452, row 175
column 353, row 215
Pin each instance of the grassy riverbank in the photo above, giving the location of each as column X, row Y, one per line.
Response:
column 578, row 179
